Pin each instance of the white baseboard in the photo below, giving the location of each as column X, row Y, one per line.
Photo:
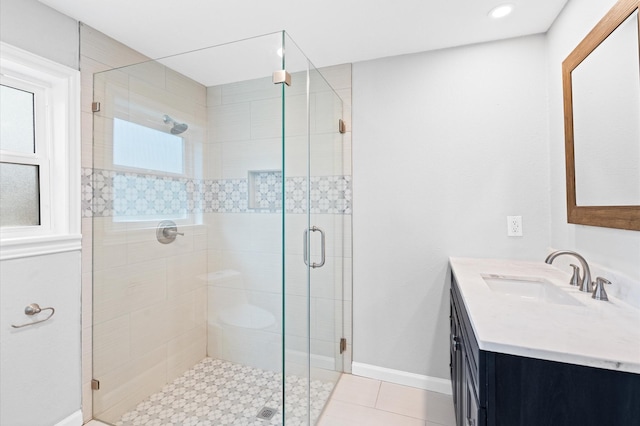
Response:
column 434, row 384
column 74, row 419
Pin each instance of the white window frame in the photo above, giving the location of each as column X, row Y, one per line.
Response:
column 57, row 109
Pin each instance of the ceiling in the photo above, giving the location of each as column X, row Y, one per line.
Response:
column 329, row 32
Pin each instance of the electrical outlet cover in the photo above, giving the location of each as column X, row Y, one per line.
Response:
column 514, row 226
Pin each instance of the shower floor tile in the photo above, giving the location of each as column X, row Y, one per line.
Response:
column 216, row 392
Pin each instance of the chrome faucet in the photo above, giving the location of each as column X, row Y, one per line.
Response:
column 586, row 285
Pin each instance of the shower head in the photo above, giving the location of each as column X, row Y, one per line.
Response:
column 177, row 127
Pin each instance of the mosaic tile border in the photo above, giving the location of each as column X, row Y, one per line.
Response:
column 107, row 193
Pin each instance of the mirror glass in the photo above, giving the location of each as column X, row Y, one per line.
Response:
column 606, row 120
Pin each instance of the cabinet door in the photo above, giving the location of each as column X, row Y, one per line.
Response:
column 456, row 366
column 471, row 408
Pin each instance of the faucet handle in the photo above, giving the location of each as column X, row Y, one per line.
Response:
column 599, row 292
column 575, row 278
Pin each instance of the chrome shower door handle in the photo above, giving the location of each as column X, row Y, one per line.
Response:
column 305, row 242
column 322, row 248
column 305, row 250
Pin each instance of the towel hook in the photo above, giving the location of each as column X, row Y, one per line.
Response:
column 33, row 309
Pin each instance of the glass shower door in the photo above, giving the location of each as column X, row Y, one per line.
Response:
column 314, row 228
column 328, row 189
column 244, row 289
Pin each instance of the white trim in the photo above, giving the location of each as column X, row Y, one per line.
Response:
column 37, row 246
column 63, row 128
column 419, row 381
column 74, row 419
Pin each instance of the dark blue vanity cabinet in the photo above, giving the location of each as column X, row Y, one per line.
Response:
column 468, row 367
column 496, row 389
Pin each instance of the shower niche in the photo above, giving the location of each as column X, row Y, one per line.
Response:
column 265, row 190
column 228, row 321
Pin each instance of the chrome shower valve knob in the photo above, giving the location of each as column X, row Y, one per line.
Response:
column 167, row 232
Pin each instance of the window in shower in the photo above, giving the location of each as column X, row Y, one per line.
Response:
column 144, row 148
column 150, row 181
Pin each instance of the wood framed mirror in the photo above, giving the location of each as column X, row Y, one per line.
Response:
column 601, row 88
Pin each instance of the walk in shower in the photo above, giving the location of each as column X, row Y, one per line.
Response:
column 221, row 206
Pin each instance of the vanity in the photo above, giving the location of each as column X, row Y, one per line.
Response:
column 528, row 349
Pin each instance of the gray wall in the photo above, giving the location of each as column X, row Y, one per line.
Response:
column 612, row 249
column 446, row 144
column 40, row 365
column 32, row 26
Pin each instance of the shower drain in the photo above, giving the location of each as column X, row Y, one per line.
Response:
column 266, row 413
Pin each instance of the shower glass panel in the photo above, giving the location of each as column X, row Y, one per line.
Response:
column 206, row 175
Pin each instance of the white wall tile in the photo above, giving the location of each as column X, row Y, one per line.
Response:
column 214, row 260
column 87, row 299
column 266, row 231
column 296, row 115
column 296, row 153
column 106, row 50
column 87, row 345
column 87, row 402
column 295, row 282
column 261, row 271
column 230, row 122
column 296, row 316
column 241, row 156
column 151, row 72
column 338, row 76
column 184, row 273
column 110, row 345
column 266, row 119
column 185, row 351
column 118, row 291
column 214, row 96
column 185, row 87
column 326, row 110
column 251, row 90
column 230, row 231
column 124, row 388
column 252, row 347
column 86, row 138
column 212, row 161
column 323, row 320
column 294, row 227
column 88, row 67
column 150, row 328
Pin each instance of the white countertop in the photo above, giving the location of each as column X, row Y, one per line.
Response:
column 597, row 333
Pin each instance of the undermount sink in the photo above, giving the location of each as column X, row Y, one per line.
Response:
column 529, row 288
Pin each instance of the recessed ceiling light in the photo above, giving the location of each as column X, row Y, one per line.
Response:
column 501, row 11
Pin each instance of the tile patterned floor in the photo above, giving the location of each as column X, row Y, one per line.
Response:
column 216, row 392
column 356, row 401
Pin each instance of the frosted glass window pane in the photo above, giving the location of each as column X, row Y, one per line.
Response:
column 16, row 120
column 145, row 148
column 19, row 195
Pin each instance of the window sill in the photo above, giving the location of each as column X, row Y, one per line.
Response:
column 17, row 248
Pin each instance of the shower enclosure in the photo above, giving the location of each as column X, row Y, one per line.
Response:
column 221, row 238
